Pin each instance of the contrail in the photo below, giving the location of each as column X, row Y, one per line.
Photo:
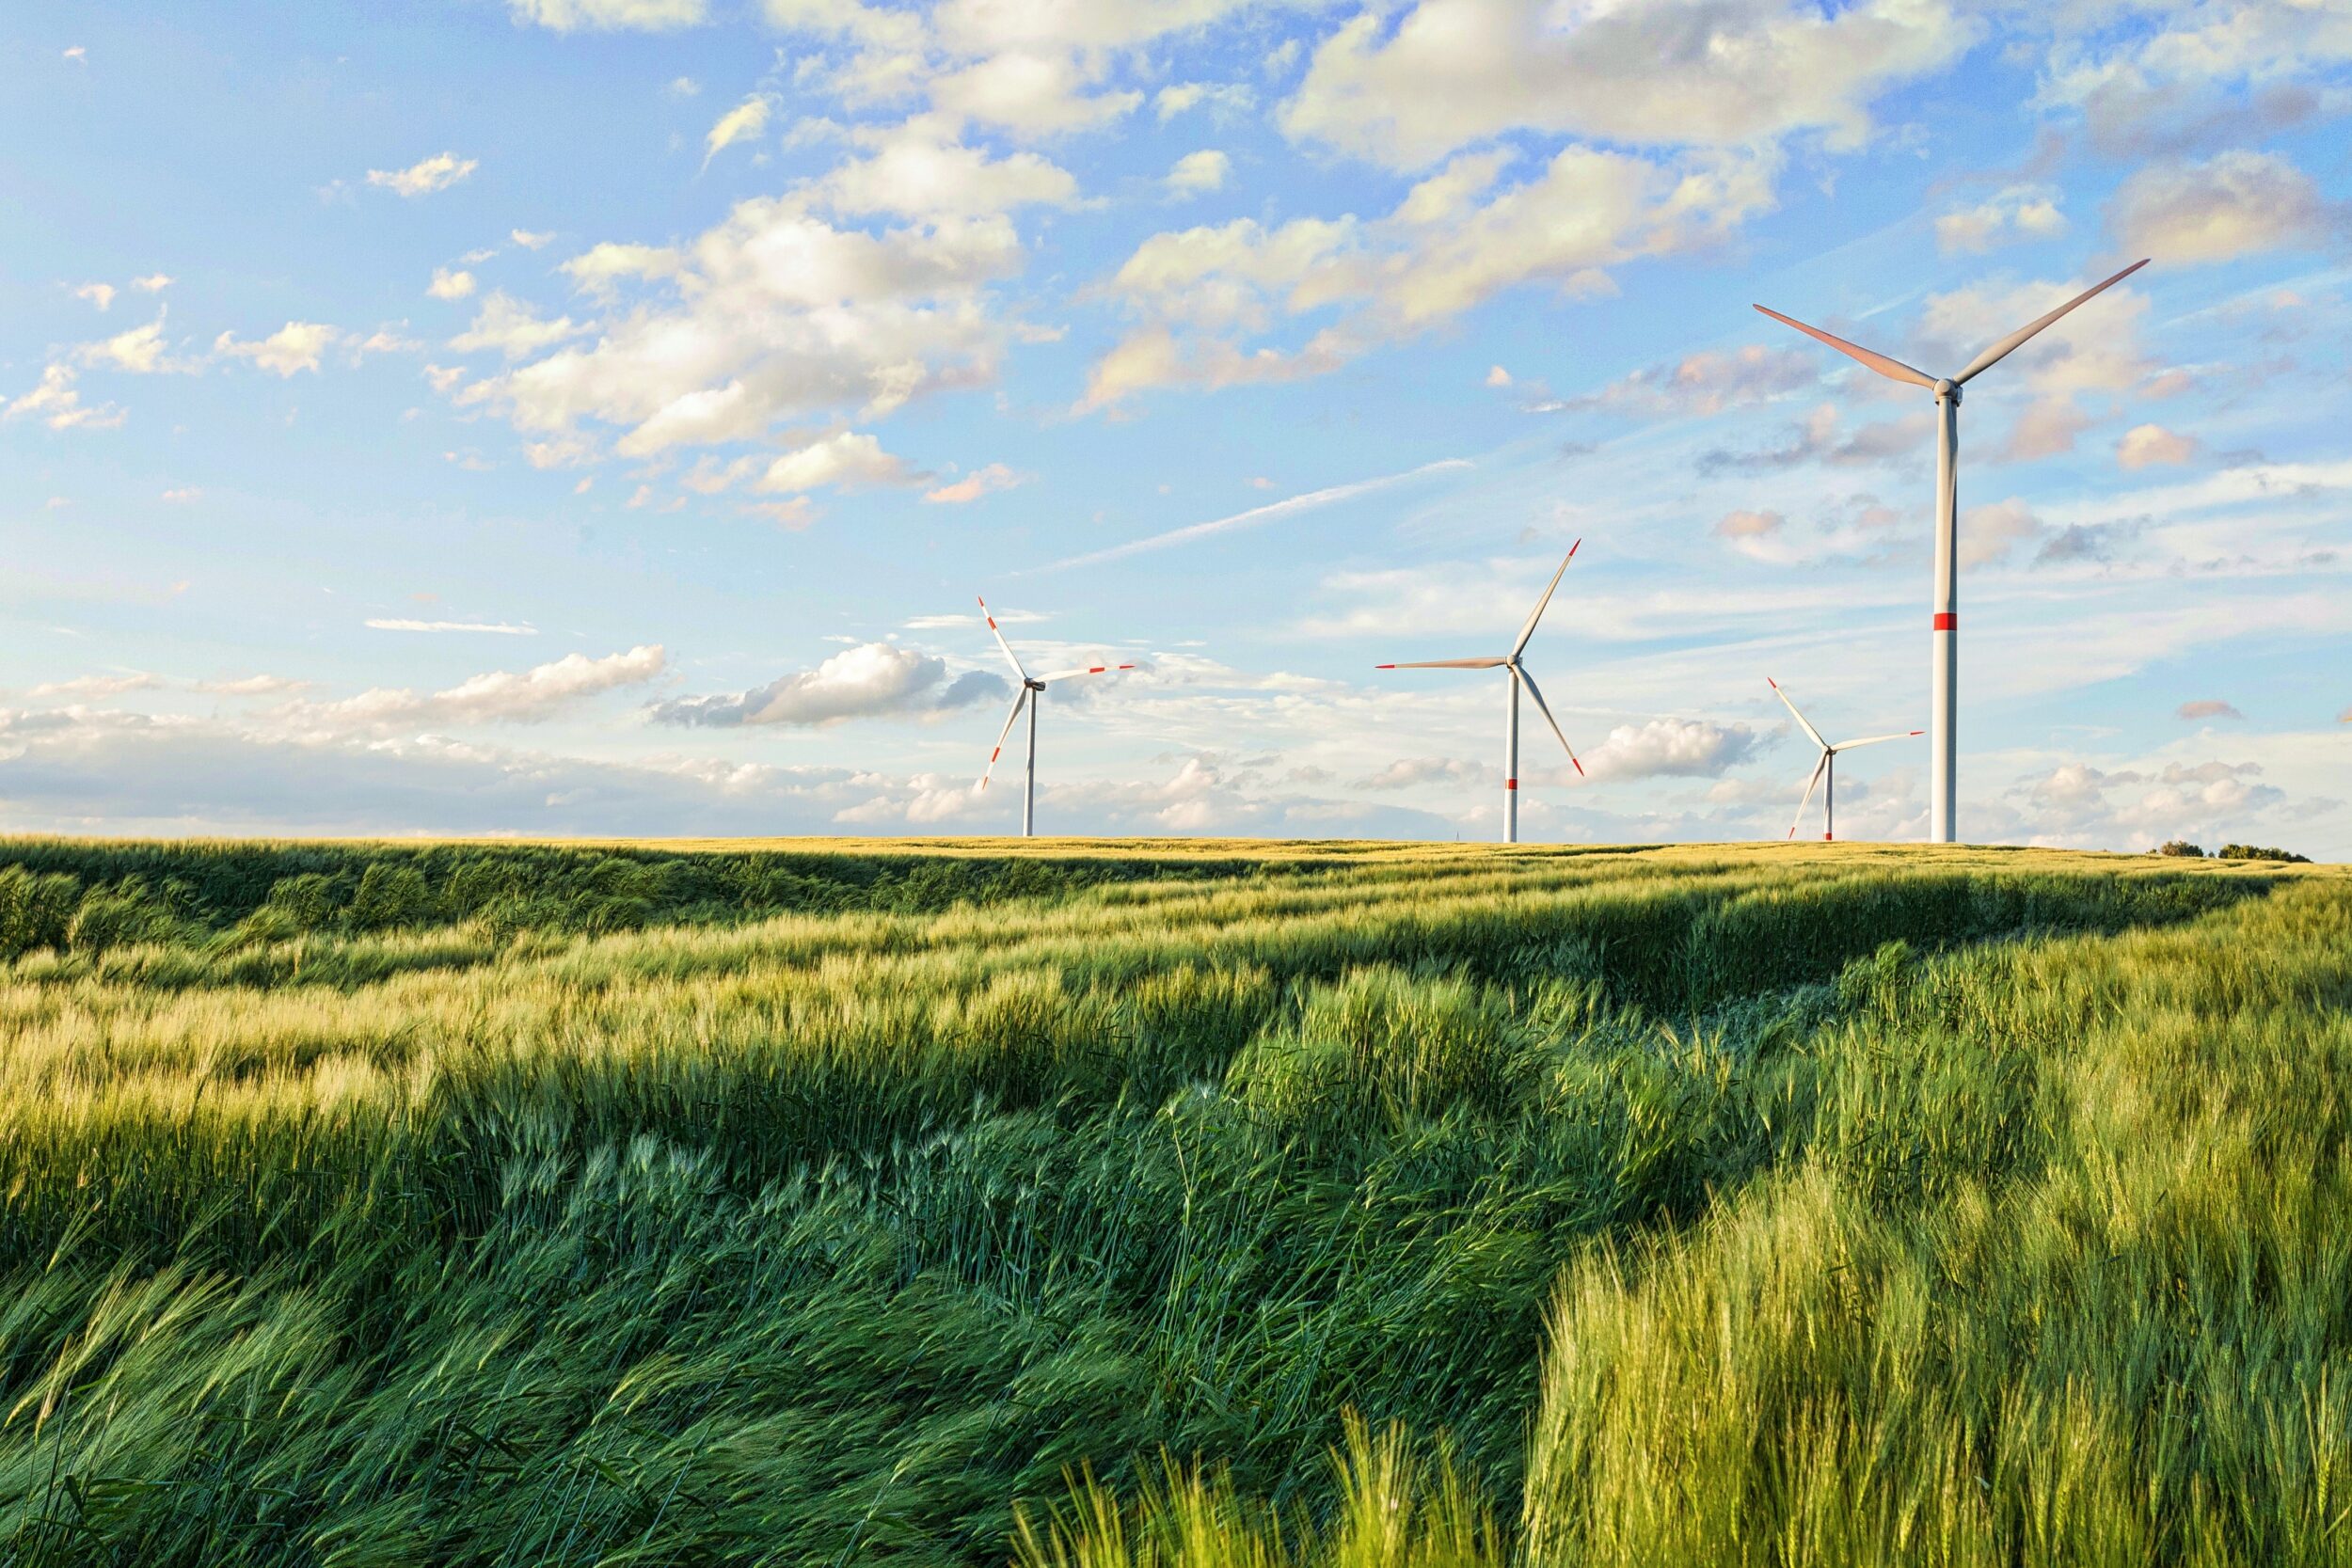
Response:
column 1256, row 515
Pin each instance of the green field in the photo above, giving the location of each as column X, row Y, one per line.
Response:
column 1205, row 1205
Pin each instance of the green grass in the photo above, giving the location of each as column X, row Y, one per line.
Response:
column 1119, row 1204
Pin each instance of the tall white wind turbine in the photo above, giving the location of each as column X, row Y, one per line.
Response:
column 1825, row 766
column 1943, row 744
column 1032, row 692
column 1519, row 677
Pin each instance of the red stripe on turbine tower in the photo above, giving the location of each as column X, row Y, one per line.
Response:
column 1947, row 620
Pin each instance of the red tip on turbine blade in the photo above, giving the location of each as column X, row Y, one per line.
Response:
column 1384, row 666
column 1580, row 768
column 1126, row 666
column 1918, row 732
column 1573, row 548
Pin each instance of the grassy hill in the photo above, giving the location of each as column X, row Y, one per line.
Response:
column 1205, row 1204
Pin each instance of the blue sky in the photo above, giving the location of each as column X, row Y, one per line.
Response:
column 599, row 415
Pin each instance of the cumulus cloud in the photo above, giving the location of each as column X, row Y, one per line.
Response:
column 294, row 347
column 864, row 681
column 2238, row 203
column 2019, row 213
column 426, row 176
column 2150, row 445
column 1670, row 748
column 844, row 459
column 920, row 169
column 1457, row 239
column 773, row 315
column 448, row 284
column 528, row 239
column 1454, row 72
column 139, row 351
column 515, row 697
column 1739, row 524
column 650, row 16
column 57, row 403
column 100, row 294
column 505, row 325
column 2209, row 708
column 1197, row 173
column 153, row 283
column 2144, row 807
column 972, row 486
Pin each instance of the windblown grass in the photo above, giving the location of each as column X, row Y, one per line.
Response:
column 1120, row 1205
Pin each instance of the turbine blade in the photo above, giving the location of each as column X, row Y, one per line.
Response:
column 1529, row 630
column 1000, row 640
column 1801, row 718
column 1448, row 664
column 1010, row 720
column 1872, row 741
column 1087, row 669
column 1894, row 370
column 2002, row 350
column 1544, row 708
column 1818, row 769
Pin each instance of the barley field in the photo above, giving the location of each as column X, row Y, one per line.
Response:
column 1208, row 1205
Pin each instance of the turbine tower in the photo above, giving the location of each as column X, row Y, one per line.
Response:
column 1519, row 677
column 1825, row 768
column 1943, row 744
column 1032, row 692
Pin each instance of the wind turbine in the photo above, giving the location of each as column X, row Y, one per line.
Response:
column 1519, row 677
column 1825, row 770
column 1942, row 745
column 1032, row 687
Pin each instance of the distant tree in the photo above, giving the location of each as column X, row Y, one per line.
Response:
column 2181, row 846
column 2252, row 852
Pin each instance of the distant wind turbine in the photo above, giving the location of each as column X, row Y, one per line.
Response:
column 1032, row 687
column 1942, row 745
column 1825, row 768
column 1519, row 677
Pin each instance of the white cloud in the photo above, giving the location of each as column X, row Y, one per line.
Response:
column 1989, row 534
column 775, row 315
column 871, row 679
column 520, row 697
column 153, row 283
column 58, row 403
column 2238, row 203
column 917, row 170
column 182, row 494
column 528, row 239
column 972, row 486
column 506, row 326
column 2150, row 445
column 1177, row 99
column 599, row 268
column 1707, row 382
column 295, row 346
column 651, row 16
column 427, row 175
column 2209, row 707
column 502, row 628
column 85, row 687
column 139, row 351
column 1672, row 73
column 745, row 122
column 844, row 459
column 1198, row 172
column 2019, row 213
column 1452, row 244
column 1669, row 748
column 100, row 294
column 450, row 285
